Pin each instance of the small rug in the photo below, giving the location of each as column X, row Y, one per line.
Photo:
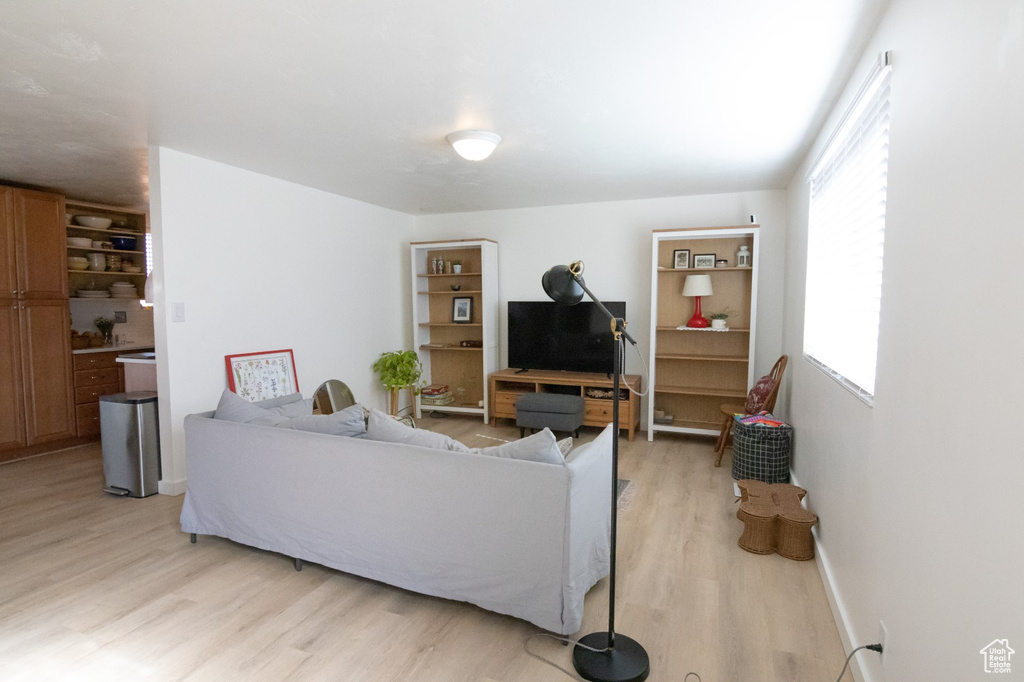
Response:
column 624, row 493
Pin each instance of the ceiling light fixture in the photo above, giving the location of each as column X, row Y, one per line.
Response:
column 474, row 145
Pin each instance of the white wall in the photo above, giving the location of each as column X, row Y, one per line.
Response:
column 263, row 264
column 919, row 496
column 614, row 241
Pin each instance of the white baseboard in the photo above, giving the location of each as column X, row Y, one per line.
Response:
column 834, row 601
column 171, row 487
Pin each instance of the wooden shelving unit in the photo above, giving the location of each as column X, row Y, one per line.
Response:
column 694, row 371
column 127, row 223
column 437, row 337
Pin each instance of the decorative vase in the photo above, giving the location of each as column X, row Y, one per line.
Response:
column 718, row 324
column 457, row 268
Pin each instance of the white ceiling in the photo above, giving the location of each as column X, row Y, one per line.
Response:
column 595, row 100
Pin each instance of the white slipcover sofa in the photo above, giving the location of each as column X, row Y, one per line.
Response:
column 522, row 538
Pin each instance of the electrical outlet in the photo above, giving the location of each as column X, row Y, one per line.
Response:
column 120, row 316
column 883, row 639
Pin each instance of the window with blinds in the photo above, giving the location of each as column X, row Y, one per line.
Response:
column 846, row 235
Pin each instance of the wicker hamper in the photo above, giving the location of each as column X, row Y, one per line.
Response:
column 761, row 453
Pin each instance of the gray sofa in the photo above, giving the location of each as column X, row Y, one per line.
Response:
column 522, row 538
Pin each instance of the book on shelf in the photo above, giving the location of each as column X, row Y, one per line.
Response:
column 443, row 399
column 434, row 389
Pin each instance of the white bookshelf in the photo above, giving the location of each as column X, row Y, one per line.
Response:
column 693, row 372
column 437, row 337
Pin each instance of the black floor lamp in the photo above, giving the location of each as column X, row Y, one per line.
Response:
column 605, row 656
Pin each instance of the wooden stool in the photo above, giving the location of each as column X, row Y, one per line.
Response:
column 774, row 521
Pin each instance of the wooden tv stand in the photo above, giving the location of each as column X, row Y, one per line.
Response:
column 507, row 385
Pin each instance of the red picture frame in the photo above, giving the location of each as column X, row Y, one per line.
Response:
column 263, row 375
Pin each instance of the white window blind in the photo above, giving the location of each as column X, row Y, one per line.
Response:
column 149, row 252
column 845, row 241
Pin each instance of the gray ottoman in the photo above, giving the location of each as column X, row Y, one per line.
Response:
column 552, row 410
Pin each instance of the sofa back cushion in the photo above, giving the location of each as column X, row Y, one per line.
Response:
column 383, row 428
column 540, row 447
column 233, row 408
column 347, row 422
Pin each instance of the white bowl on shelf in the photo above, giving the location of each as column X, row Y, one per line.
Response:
column 95, row 222
column 131, row 269
column 77, row 263
column 80, row 242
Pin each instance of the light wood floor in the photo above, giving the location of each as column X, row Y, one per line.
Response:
column 95, row 587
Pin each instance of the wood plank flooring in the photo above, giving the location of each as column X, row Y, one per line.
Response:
column 96, row 587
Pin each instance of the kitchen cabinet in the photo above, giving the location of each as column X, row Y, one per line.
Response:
column 35, row 357
column 127, row 222
column 96, row 374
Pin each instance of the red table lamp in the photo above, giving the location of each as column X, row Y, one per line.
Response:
column 697, row 286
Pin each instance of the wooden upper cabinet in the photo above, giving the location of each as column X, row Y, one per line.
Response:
column 41, row 245
column 8, row 265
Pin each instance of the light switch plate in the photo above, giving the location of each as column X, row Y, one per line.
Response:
column 177, row 312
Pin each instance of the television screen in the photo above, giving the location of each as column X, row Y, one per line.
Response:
column 553, row 336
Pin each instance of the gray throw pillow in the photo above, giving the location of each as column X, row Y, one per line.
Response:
column 347, row 422
column 383, row 428
column 279, row 401
column 300, row 408
column 540, row 447
column 233, row 408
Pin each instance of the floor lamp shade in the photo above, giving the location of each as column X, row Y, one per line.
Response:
column 697, row 286
column 561, row 286
column 603, row 656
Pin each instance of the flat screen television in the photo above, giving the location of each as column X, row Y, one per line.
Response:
column 553, row 336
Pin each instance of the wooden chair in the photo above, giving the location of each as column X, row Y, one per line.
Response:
column 757, row 400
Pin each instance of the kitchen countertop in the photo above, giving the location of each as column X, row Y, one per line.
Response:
column 138, row 358
column 129, row 348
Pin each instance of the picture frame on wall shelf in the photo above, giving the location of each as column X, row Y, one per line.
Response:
column 462, row 309
column 264, row 375
column 704, row 261
column 681, row 259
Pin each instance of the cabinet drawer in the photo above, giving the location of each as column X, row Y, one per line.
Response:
column 95, row 377
column 91, row 394
column 95, row 360
column 88, row 420
column 505, row 404
column 601, row 411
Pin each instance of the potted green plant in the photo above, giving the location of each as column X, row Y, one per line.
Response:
column 398, row 369
column 106, row 326
column 456, row 266
column 718, row 319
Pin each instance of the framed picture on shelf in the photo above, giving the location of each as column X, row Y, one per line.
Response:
column 704, row 261
column 681, row 259
column 259, row 376
column 462, row 309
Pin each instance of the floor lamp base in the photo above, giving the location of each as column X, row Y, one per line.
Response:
column 627, row 662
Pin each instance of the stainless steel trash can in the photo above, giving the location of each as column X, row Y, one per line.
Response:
column 130, row 433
